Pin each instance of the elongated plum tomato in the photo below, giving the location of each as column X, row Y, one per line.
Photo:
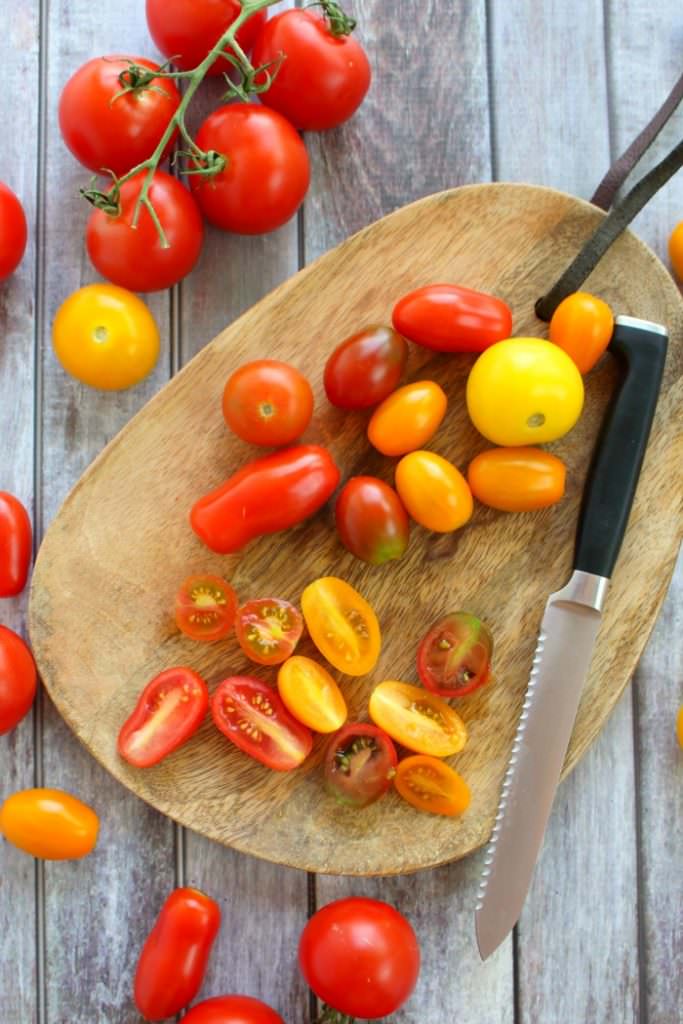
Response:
column 169, row 710
column 371, row 521
column 450, row 318
column 408, row 418
column 13, row 232
column 232, row 1010
column 175, row 955
column 454, row 657
column 365, row 368
column 433, row 491
column 205, row 608
column 582, row 326
column 268, row 629
column 516, row 479
column 342, row 625
column 267, row 402
column 17, row 679
column 430, row 785
column 186, row 30
column 675, row 251
column 252, row 715
column 417, row 719
column 267, row 495
column 310, row 693
column 359, row 764
column 49, row 824
column 16, row 538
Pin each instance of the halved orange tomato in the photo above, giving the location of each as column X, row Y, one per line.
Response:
column 342, row 625
column 417, row 719
column 205, row 607
column 430, row 785
column 310, row 693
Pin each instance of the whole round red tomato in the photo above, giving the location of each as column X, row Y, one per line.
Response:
column 232, row 1010
column 365, row 368
column 186, row 30
column 267, row 402
column 360, row 956
column 16, row 538
column 13, row 232
column 135, row 258
column 371, row 520
column 107, row 128
column 266, row 173
column 323, row 77
column 17, row 679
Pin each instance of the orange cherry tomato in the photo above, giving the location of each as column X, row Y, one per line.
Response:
column 342, row 625
column 679, row 725
column 267, row 402
column 433, row 491
column 407, row 418
column 268, row 629
column 430, row 785
column 582, row 325
column 676, row 250
column 417, row 719
column 49, row 824
column 205, row 607
column 310, row 693
column 516, row 479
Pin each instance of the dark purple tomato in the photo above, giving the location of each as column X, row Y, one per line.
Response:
column 360, row 763
column 365, row 368
column 371, row 520
column 454, row 658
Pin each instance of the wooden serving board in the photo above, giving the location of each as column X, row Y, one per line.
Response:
column 101, row 606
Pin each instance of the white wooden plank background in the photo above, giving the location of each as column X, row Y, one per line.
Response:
column 462, row 92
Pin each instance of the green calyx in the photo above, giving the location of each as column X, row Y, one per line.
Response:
column 339, row 22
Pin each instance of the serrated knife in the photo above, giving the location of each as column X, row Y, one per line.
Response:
column 567, row 634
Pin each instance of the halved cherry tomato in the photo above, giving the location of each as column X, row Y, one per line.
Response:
column 268, row 629
column 450, row 318
column 675, row 251
column 15, row 545
column 371, row 521
column 359, row 764
column 232, row 1010
column 430, row 785
column 49, row 824
column 175, row 955
column 17, row 679
column 417, row 719
column 407, row 418
column 342, row 625
column 516, row 479
column 365, row 369
column 311, row 694
column 267, row 402
column 582, row 326
column 205, row 607
column 169, row 710
column 454, row 657
column 252, row 715
column 433, row 491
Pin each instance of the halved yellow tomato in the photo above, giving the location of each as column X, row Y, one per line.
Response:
column 417, row 719
column 342, row 625
column 430, row 785
column 310, row 693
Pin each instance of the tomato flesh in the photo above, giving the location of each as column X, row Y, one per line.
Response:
column 252, row 715
column 359, row 764
column 342, row 625
column 417, row 719
column 430, row 785
column 16, row 539
column 205, row 608
column 365, row 368
column 311, row 694
column 17, row 679
column 371, row 521
column 169, row 710
column 454, row 657
column 49, row 824
column 268, row 629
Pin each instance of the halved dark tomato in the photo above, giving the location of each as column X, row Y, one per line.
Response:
column 169, row 710
column 417, row 719
column 431, row 785
column 454, row 657
column 359, row 764
column 205, row 608
column 268, row 629
column 252, row 715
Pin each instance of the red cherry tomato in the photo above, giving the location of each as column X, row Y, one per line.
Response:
column 268, row 629
column 454, row 658
column 266, row 174
column 267, row 495
column 16, row 538
column 360, row 763
column 365, row 368
column 371, row 521
column 205, row 608
column 267, row 402
column 135, row 258
column 13, row 232
column 232, row 1010
column 169, row 710
column 450, row 318
column 186, row 30
column 323, row 78
column 361, row 957
column 17, row 679
column 251, row 714
column 176, row 952
column 108, row 129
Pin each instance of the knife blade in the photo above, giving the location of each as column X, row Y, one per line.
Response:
column 567, row 634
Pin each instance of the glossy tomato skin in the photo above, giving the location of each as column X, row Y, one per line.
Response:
column 186, row 30
column 323, row 78
column 408, row 418
column 360, row 762
column 267, row 402
column 434, row 492
column 417, row 719
column 450, row 318
column 268, row 629
column 205, row 608
column 342, row 625
column 360, row 956
column 371, row 521
column 675, row 251
column 232, row 1010
column 13, row 232
column 267, row 169
column 252, row 715
column 49, row 824
column 135, row 258
column 429, row 784
column 454, row 656
column 16, row 539
column 311, row 695
column 175, row 955
column 582, row 326
column 169, row 710
column 365, row 368
column 107, row 131
column 17, row 679
column 516, row 479
column 267, row 495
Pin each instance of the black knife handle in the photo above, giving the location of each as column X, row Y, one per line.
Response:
column 640, row 348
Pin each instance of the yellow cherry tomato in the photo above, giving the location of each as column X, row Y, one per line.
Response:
column 679, row 725
column 524, row 391
column 49, row 824
column 342, row 625
column 105, row 337
column 433, row 491
column 582, row 326
column 431, row 785
column 676, row 250
column 407, row 418
column 310, row 693
column 417, row 719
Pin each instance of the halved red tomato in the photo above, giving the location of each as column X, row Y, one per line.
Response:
column 454, row 657
column 359, row 764
column 205, row 608
column 268, row 629
column 252, row 715
column 417, row 719
column 169, row 710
